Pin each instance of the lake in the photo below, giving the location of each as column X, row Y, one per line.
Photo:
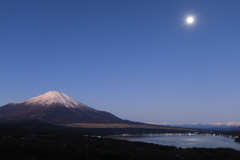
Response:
column 184, row 140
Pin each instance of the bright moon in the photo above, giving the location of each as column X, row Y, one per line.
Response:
column 190, row 20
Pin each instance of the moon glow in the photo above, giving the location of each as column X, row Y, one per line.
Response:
column 190, row 20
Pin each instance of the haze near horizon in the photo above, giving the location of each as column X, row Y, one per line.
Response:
column 137, row 59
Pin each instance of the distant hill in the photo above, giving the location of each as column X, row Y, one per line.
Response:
column 231, row 126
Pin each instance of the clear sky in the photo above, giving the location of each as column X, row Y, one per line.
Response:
column 137, row 59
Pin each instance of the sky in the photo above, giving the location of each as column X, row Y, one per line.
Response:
column 137, row 59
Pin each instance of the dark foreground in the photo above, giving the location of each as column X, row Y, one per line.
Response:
column 28, row 141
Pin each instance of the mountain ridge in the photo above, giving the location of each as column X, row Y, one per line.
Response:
column 230, row 126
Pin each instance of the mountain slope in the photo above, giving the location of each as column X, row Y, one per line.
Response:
column 55, row 107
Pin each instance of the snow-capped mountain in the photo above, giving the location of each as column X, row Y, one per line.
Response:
column 230, row 126
column 55, row 107
column 210, row 126
column 54, row 97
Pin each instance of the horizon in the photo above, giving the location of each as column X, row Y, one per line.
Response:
column 139, row 60
column 160, row 123
column 210, row 123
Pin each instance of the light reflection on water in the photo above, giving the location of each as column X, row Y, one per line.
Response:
column 185, row 140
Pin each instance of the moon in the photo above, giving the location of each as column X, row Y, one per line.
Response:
column 190, row 20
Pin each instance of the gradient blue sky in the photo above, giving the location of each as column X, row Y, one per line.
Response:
column 134, row 58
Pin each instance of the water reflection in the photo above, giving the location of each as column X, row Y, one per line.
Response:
column 185, row 140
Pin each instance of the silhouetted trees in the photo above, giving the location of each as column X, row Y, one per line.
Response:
column 48, row 142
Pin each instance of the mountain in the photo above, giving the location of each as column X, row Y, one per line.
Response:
column 230, row 126
column 55, row 107
column 213, row 127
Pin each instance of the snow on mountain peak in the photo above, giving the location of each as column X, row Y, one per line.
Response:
column 55, row 97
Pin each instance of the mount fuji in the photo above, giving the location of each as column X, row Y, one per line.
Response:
column 55, row 107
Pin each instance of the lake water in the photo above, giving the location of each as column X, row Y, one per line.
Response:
column 184, row 140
